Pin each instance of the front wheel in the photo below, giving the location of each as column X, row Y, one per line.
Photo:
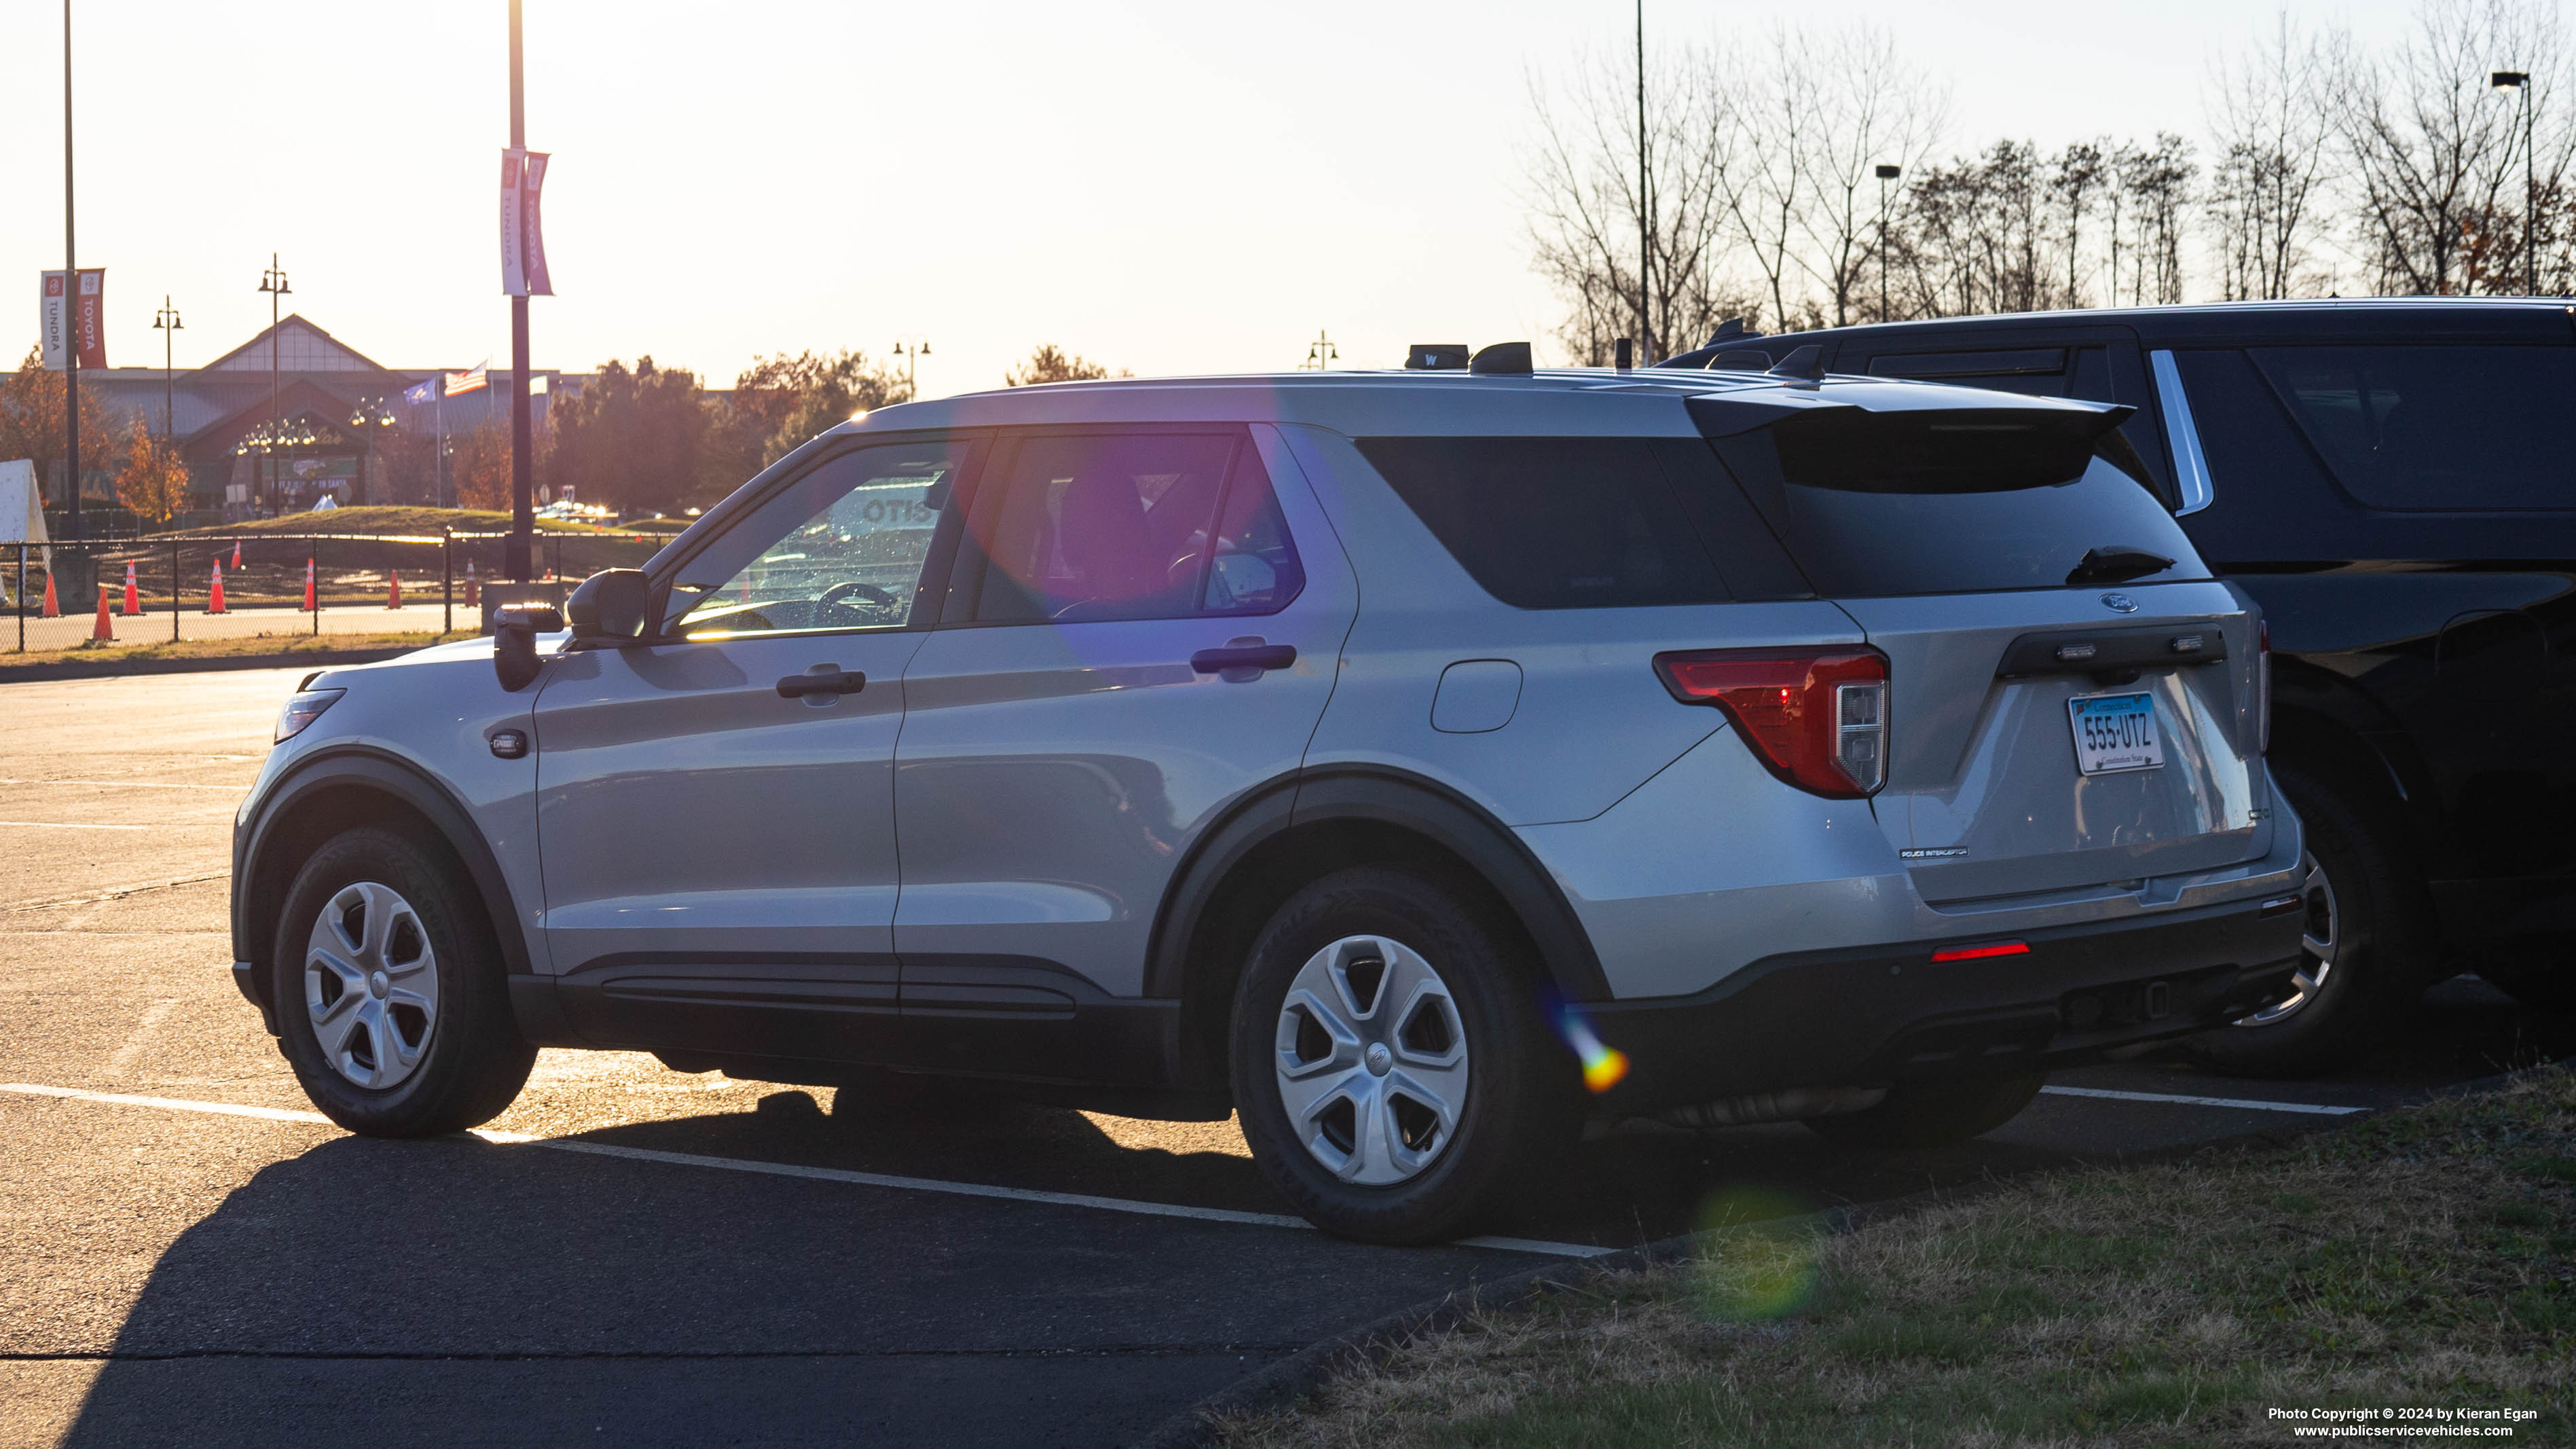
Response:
column 392, row 1002
column 1392, row 1063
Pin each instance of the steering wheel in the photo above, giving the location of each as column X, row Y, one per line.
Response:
column 842, row 590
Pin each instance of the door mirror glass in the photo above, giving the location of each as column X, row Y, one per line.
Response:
column 841, row 548
column 608, row 605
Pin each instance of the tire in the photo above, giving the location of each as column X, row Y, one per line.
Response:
column 384, row 952
column 1932, row 1114
column 1377, row 997
column 2368, row 952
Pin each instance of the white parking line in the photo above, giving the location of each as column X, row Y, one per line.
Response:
column 816, row 1174
column 2243, row 1102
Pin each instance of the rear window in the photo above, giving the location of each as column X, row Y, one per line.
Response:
column 1874, row 504
column 2436, row 428
column 1553, row 523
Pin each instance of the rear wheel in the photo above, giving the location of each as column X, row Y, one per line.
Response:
column 392, row 1002
column 1932, row 1114
column 1392, row 1065
column 2363, row 954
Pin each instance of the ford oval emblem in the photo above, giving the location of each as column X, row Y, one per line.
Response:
column 2120, row 603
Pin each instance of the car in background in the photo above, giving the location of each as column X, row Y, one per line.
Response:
column 2394, row 482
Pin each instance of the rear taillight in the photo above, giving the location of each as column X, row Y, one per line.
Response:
column 2263, row 686
column 1817, row 718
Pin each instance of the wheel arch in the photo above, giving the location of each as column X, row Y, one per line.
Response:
column 335, row 791
column 1301, row 828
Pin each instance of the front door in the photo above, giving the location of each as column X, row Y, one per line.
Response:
column 716, row 809
column 1144, row 626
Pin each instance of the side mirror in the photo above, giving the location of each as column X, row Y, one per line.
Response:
column 608, row 608
column 514, row 642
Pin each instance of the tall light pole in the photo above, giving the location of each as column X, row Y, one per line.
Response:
column 1321, row 354
column 911, row 347
column 2521, row 81
column 167, row 323
column 1645, row 212
column 273, row 282
column 523, row 514
column 1886, row 174
column 71, row 298
column 371, row 414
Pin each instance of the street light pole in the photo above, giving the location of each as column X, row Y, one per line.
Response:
column 273, row 282
column 2521, row 81
column 71, row 300
column 167, row 323
column 1645, row 213
column 370, row 415
column 1886, row 174
column 523, row 516
column 911, row 347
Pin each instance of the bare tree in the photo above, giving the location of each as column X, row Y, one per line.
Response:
column 2434, row 151
column 2074, row 177
column 1585, row 202
column 1881, row 110
column 2155, row 186
column 2268, row 120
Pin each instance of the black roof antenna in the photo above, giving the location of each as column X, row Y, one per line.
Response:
column 1804, row 364
column 1511, row 357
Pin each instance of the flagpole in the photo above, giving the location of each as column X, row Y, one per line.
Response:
column 523, row 520
column 71, row 297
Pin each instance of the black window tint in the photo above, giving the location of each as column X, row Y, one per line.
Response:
column 1553, row 523
column 1867, row 513
column 1101, row 527
column 1253, row 568
column 2449, row 428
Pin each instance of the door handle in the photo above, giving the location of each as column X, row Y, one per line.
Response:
column 1244, row 661
column 828, row 681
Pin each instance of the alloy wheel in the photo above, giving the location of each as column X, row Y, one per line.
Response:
column 2319, row 939
column 1371, row 1060
column 371, row 985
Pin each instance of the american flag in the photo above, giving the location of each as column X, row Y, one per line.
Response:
column 473, row 381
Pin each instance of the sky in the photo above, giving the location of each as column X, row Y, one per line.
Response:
column 1165, row 187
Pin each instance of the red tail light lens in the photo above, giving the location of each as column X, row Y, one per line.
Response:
column 1816, row 718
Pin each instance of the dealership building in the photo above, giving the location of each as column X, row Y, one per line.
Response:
column 267, row 427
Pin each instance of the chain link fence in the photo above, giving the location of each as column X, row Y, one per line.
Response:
column 165, row 589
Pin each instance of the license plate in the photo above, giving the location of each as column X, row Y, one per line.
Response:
column 2116, row 732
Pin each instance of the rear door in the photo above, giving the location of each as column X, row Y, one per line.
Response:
column 2051, row 728
column 1143, row 626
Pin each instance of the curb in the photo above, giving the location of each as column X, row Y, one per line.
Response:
column 111, row 669
column 1306, row 1370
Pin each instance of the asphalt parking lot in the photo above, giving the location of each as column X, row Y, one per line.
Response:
column 642, row 1256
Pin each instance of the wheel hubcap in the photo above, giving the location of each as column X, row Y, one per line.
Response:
column 1371, row 1060
column 370, row 985
column 2319, row 940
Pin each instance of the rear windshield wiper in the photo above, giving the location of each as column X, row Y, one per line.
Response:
column 2117, row 564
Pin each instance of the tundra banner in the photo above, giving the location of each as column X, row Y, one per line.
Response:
column 58, row 323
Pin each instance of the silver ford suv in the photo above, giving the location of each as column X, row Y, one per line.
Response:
column 1410, row 762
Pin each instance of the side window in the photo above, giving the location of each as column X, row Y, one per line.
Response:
column 841, row 548
column 2443, row 428
column 1128, row 526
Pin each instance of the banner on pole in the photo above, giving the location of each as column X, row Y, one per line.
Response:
column 523, row 242
column 67, row 321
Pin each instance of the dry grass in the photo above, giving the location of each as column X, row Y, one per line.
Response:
column 2424, row 1258
column 394, row 518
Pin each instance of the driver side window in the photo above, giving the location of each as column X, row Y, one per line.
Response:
column 842, row 548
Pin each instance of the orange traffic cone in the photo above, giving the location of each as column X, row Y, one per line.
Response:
column 102, row 632
column 52, row 610
column 310, row 606
column 393, row 588
column 215, row 596
column 237, row 555
column 133, row 598
column 473, row 587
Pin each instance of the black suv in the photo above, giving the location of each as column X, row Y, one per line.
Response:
column 2394, row 482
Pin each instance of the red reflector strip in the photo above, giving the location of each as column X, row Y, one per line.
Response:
column 1979, row 953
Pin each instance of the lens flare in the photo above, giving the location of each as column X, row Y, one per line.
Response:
column 1604, row 1066
column 1759, row 1256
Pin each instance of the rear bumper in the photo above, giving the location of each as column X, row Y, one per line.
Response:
column 1875, row 1015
